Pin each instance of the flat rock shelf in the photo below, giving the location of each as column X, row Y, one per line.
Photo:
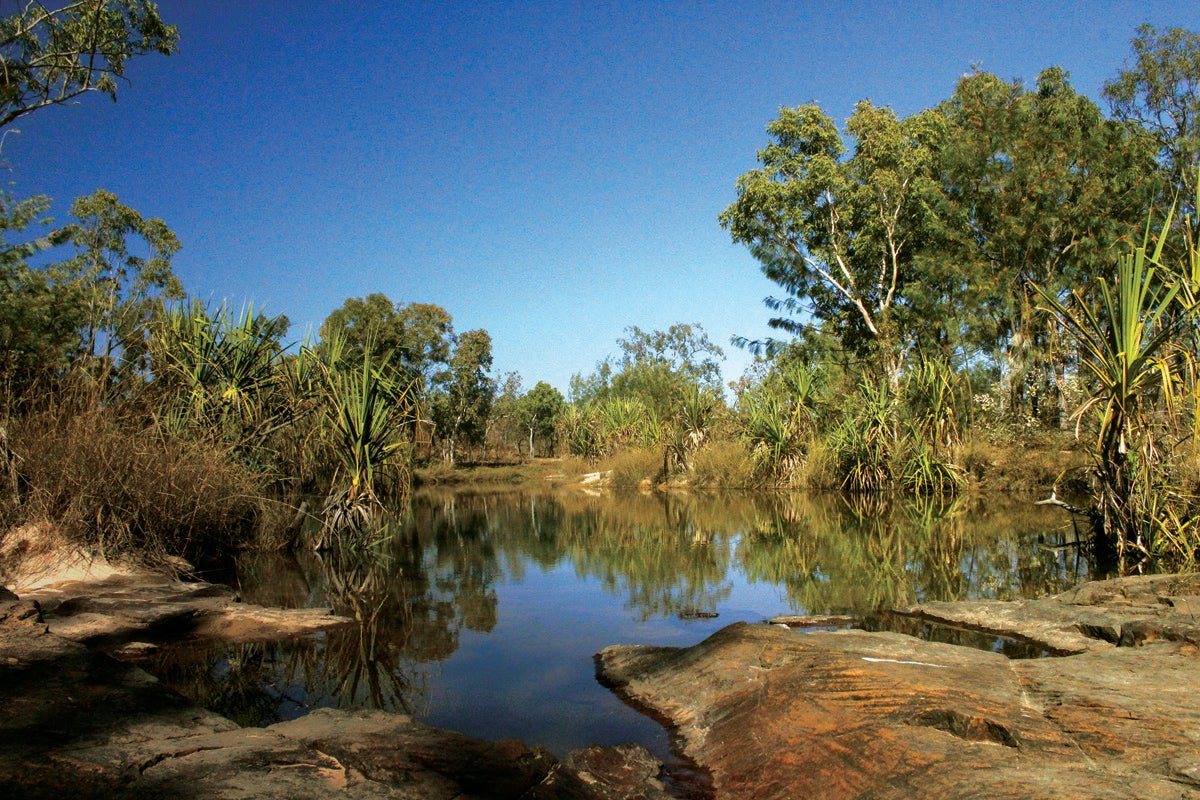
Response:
column 776, row 713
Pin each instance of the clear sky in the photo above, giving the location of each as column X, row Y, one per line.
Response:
column 551, row 172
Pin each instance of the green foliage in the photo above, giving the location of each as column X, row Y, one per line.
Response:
column 577, row 428
column 840, row 234
column 220, row 375
column 538, row 411
column 461, row 410
column 657, row 368
column 1132, row 345
column 41, row 310
column 777, row 419
column 864, row 444
column 369, row 413
column 935, row 402
column 48, row 56
column 626, row 422
column 1160, row 92
column 1039, row 187
column 90, row 311
column 693, row 425
column 417, row 336
column 774, row 436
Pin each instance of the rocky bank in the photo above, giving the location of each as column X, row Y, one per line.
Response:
column 76, row 722
column 773, row 712
column 768, row 710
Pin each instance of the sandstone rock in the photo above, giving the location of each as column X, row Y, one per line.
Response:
column 1094, row 616
column 813, row 621
column 774, row 713
column 133, row 606
column 76, row 723
column 624, row 772
column 134, row 651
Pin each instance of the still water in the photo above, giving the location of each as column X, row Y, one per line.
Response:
column 481, row 612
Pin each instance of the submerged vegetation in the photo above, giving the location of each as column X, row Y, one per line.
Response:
column 970, row 284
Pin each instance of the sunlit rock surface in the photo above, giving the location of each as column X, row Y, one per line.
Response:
column 775, row 713
column 132, row 606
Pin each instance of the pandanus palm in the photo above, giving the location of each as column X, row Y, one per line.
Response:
column 1129, row 343
column 368, row 411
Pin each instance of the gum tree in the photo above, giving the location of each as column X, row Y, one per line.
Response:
column 840, row 229
column 1160, row 91
column 48, row 57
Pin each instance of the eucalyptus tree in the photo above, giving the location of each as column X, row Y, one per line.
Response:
column 462, row 407
column 1160, row 91
column 121, row 287
column 41, row 311
column 94, row 304
column 538, row 411
column 417, row 335
column 1041, row 189
column 50, row 56
column 840, row 232
column 656, row 367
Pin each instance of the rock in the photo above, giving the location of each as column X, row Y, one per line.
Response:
column 125, row 607
column 134, row 651
column 773, row 713
column 395, row 749
column 76, row 723
column 1094, row 616
column 243, row 622
column 624, row 772
column 813, row 621
column 20, row 617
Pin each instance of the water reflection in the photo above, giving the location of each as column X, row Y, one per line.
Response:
column 482, row 611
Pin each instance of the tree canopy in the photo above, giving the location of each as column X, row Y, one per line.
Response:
column 840, row 234
column 923, row 234
column 48, row 57
column 654, row 367
column 417, row 335
column 1160, row 92
column 538, row 411
column 462, row 408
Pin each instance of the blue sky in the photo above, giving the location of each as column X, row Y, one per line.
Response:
column 551, row 172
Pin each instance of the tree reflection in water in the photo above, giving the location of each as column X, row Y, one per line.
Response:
column 438, row 569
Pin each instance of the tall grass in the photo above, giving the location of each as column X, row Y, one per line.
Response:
column 111, row 482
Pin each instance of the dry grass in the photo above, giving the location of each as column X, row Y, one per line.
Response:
column 629, row 468
column 128, row 490
column 1030, row 465
column 444, row 474
column 723, row 464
